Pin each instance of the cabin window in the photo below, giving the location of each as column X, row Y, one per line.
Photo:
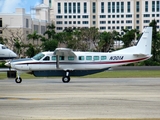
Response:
column 38, row 56
column 4, row 47
column 47, row 58
column 53, row 57
column 88, row 57
column 81, row 57
column 61, row 57
column 103, row 57
column 70, row 57
column 96, row 57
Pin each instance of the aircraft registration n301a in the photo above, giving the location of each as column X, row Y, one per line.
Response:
column 65, row 62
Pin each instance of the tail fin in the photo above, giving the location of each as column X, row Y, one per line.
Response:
column 143, row 46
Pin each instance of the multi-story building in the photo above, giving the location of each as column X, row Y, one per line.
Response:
column 19, row 24
column 106, row 15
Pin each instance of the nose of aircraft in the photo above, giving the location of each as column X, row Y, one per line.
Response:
column 13, row 55
column 8, row 64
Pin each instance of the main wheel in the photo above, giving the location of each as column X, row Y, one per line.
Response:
column 66, row 79
column 18, row 80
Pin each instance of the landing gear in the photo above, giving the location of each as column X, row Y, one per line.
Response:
column 66, row 78
column 18, row 80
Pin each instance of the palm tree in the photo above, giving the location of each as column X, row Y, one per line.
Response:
column 50, row 31
column 34, row 36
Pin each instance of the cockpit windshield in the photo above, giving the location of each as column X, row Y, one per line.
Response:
column 4, row 47
column 38, row 56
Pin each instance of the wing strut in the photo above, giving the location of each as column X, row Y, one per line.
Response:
column 57, row 61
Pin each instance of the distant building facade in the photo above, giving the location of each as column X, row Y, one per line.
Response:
column 21, row 24
column 107, row 15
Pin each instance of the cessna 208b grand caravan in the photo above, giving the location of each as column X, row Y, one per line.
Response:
column 65, row 62
column 6, row 53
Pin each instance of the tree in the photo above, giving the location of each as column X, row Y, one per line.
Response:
column 34, row 36
column 18, row 47
column 50, row 45
column 30, row 51
column 50, row 31
column 155, row 41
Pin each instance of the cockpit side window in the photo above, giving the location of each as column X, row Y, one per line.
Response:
column 4, row 47
column 47, row 58
column 38, row 56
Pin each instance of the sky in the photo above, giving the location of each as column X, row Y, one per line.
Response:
column 9, row 6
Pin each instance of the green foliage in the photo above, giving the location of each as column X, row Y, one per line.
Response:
column 30, row 51
column 49, row 45
column 2, row 64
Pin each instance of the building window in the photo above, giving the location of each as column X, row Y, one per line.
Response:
column 94, row 17
column 109, row 7
column 70, row 16
column 59, row 16
column 117, row 16
column 117, row 7
column 78, row 16
column 74, row 7
column 102, row 7
column 128, row 16
column 146, row 6
column 94, row 7
column 128, row 7
column 146, row 21
column 74, row 16
column 85, row 22
column 59, row 28
column 43, row 29
column 102, row 22
column 65, row 16
column 113, row 16
column 65, row 22
column 137, row 16
column 36, row 28
column 153, row 15
column 158, row 5
column 137, row 6
column 153, row 6
column 113, row 22
column 129, row 21
column 0, row 22
column 59, row 8
column 102, row 16
column 122, row 21
column 59, row 22
column 50, row 3
column 109, row 16
column 94, row 22
column 85, row 16
column 146, row 15
column 137, row 21
column 79, row 22
column 122, row 7
column 70, row 7
column 1, row 31
column 117, row 21
column 74, row 22
column 78, row 8
column 27, row 23
column 122, row 16
column 109, row 22
column 113, row 7
column 85, row 7
column 65, row 7
column 70, row 22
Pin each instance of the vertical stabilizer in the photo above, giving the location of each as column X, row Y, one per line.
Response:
column 143, row 46
column 145, row 43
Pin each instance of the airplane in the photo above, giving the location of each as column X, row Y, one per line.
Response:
column 6, row 53
column 65, row 62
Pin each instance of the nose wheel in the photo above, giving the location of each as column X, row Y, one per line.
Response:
column 18, row 80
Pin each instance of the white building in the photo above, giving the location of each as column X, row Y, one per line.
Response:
column 19, row 24
column 106, row 15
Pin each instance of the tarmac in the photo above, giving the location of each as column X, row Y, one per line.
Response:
column 82, row 98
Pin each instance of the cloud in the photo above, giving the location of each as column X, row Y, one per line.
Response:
column 9, row 6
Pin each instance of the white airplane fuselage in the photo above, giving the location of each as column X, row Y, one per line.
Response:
column 95, row 61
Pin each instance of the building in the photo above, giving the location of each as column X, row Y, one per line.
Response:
column 107, row 15
column 19, row 24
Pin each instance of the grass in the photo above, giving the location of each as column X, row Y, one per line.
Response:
column 106, row 74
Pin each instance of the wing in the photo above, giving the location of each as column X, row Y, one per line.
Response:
column 64, row 52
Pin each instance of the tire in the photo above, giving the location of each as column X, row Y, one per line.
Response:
column 18, row 80
column 66, row 79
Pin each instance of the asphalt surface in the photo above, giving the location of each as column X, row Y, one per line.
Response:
column 82, row 98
